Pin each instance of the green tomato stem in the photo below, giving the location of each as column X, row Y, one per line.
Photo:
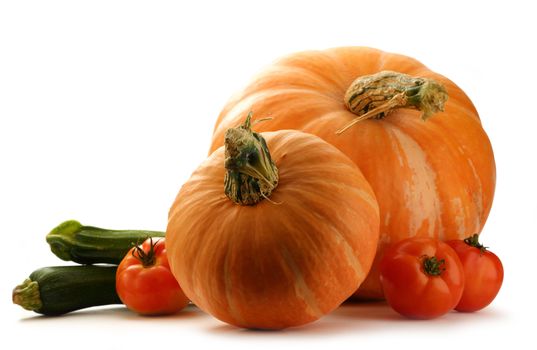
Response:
column 473, row 241
column 432, row 266
column 146, row 258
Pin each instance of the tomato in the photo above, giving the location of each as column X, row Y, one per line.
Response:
column 483, row 274
column 421, row 278
column 145, row 283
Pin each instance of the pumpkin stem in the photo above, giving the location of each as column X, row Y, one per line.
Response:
column 376, row 95
column 251, row 175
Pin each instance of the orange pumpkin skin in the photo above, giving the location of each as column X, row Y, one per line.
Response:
column 283, row 262
column 432, row 178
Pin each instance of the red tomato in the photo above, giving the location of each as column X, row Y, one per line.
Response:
column 483, row 272
column 145, row 283
column 421, row 277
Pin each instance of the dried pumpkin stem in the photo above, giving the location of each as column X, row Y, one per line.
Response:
column 251, row 175
column 376, row 95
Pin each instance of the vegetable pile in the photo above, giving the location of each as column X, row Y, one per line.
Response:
column 413, row 133
column 142, row 281
column 362, row 174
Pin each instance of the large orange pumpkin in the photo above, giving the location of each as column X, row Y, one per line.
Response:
column 432, row 178
column 272, row 240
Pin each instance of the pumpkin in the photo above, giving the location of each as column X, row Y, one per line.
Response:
column 273, row 239
column 415, row 135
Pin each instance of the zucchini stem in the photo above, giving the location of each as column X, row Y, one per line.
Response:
column 27, row 295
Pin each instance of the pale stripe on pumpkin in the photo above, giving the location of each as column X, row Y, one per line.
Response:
column 350, row 253
column 232, row 307
column 301, row 288
column 366, row 196
column 420, row 192
column 477, row 197
column 456, row 205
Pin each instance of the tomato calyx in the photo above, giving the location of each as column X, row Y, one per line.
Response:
column 146, row 258
column 473, row 241
column 432, row 266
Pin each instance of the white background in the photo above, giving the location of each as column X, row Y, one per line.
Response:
column 106, row 107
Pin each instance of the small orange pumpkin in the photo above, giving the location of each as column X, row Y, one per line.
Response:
column 432, row 178
column 272, row 240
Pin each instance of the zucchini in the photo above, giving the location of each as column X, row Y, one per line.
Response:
column 71, row 241
column 58, row 290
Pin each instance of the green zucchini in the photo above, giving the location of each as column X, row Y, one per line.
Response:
column 58, row 290
column 71, row 241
